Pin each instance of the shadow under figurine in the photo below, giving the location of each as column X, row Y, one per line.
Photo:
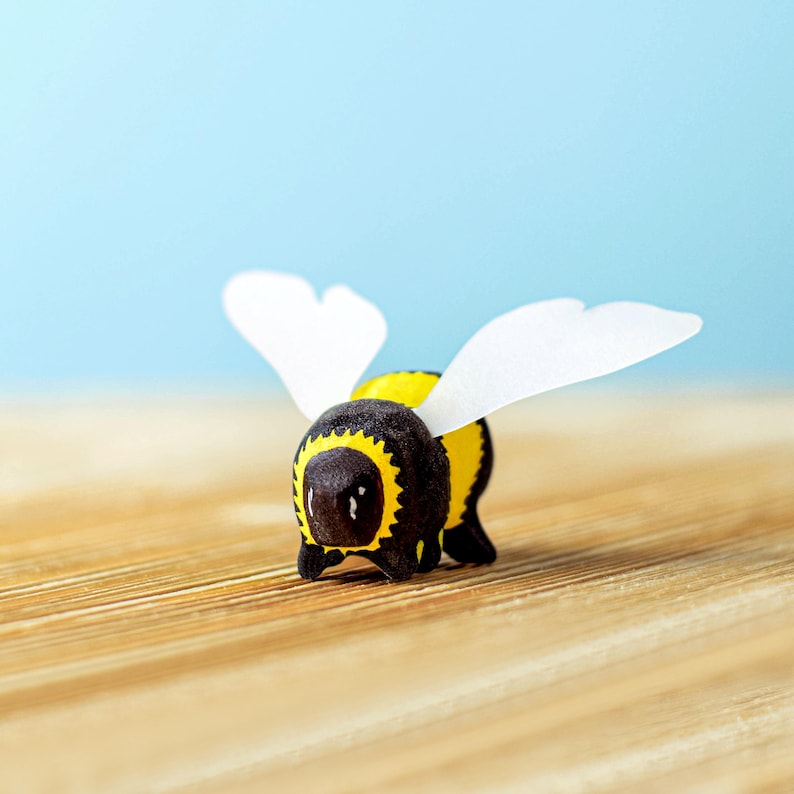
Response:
column 394, row 471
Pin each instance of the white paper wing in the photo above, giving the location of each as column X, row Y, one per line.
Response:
column 543, row 346
column 320, row 349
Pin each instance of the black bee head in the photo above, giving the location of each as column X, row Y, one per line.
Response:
column 367, row 472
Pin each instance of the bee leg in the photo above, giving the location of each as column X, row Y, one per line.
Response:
column 312, row 559
column 397, row 563
column 431, row 554
column 468, row 542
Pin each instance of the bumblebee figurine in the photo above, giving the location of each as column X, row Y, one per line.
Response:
column 369, row 479
column 394, row 472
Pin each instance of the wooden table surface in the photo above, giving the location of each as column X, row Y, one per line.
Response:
column 635, row 634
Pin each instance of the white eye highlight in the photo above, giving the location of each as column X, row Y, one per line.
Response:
column 353, row 507
column 309, row 500
column 361, row 490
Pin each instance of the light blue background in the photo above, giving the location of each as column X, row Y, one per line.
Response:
column 449, row 161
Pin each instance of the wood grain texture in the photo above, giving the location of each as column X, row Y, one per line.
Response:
column 634, row 634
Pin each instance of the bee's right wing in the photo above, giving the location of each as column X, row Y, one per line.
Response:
column 543, row 346
column 320, row 349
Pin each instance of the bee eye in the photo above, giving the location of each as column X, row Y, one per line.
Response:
column 343, row 497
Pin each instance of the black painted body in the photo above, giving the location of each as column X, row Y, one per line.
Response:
column 424, row 476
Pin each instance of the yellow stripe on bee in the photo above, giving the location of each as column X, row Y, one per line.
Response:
column 464, row 447
column 464, row 450
column 408, row 388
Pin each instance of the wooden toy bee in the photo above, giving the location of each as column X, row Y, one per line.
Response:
column 393, row 470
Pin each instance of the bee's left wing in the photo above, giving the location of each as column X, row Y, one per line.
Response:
column 319, row 348
column 543, row 346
